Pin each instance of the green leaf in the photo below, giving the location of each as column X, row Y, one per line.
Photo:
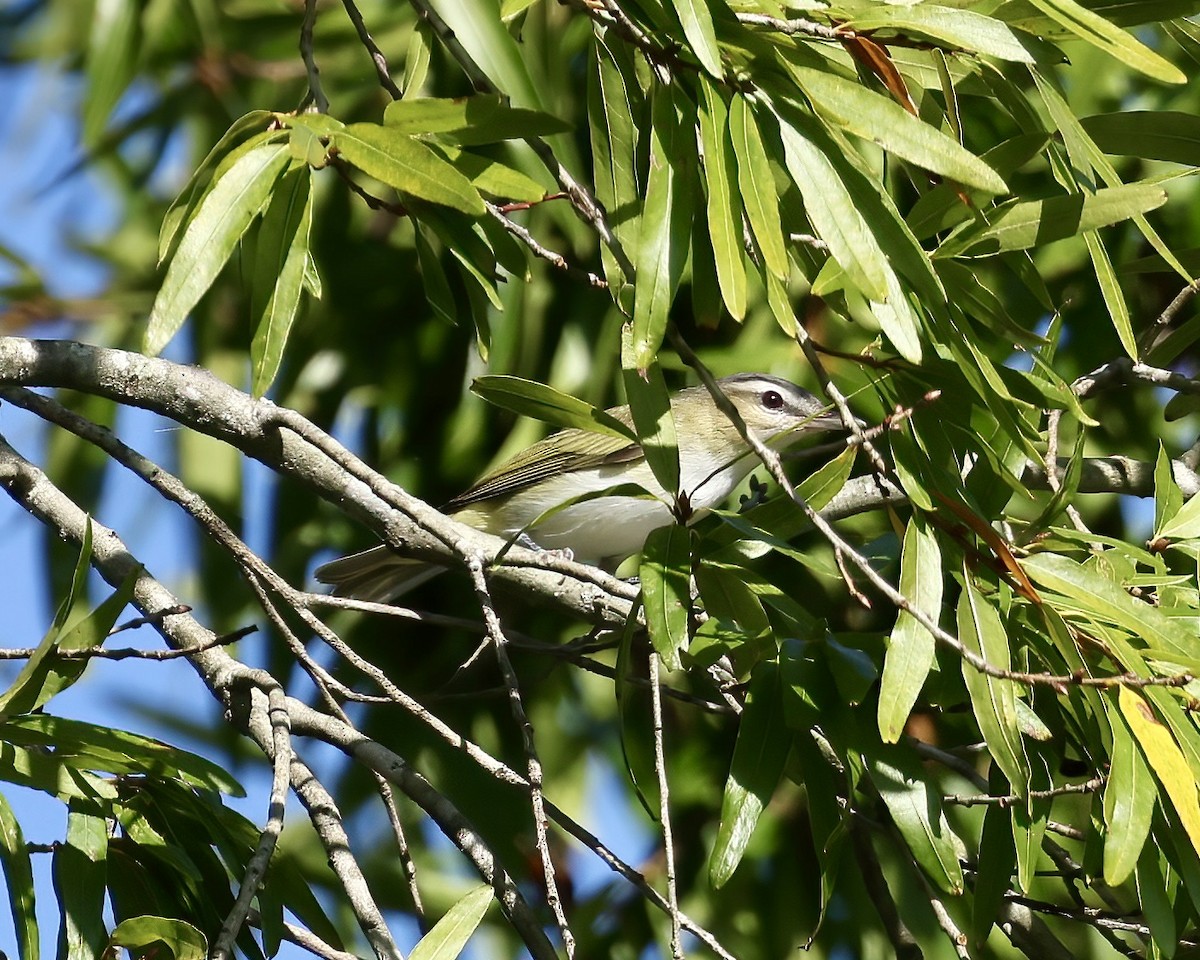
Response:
column 90, row 746
column 110, row 63
column 965, row 29
column 1100, row 33
column 1019, row 225
column 18, row 876
column 1185, row 523
column 911, row 647
column 1110, row 289
column 613, row 92
column 542, row 402
column 476, row 25
column 408, row 165
column 665, row 229
column 1168, row 498
column 45, row 674
column 1151, row 134
column 994, row 700
column 756, row 185
column 281, row 254
column 881, row 120
column 724, row 207
column 650, row 407
column 666, row 579
column 1100, row 598
column 832, row 210
column 996, row 849
column 481, row 118
column 79, row 882
column 697, row 22
column 183, row 940
column 224, row 214
column 1165, row 759
column 451, row 933
column 1129, row 798
column 916, row 809
column 495, row 178
column 1156, row 903
column 761, row 750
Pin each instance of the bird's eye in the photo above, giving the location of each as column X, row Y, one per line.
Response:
column 772, row 400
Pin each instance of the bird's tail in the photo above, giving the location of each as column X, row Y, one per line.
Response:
column 377, row 575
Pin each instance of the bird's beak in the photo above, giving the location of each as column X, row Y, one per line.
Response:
column 830, row 420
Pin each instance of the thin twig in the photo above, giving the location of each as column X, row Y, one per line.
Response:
column 664, row 806
column 796, row 26
column 377, row 57
column 130, row 653
column 533, row 765
column 256, row 866
column 555, row 259
column 1007, row 800
column 310, row 61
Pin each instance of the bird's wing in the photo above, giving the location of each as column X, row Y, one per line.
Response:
column 564, row 452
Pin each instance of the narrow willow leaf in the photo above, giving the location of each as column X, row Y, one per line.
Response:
column 451, row 933
column 1099, row 597
column 916, row 809
column 724, row 205
column 981, row 631
column 759, row 755
column 899, row 320
column 416, row 60
column 408, row 165
column 666, row 576
column 225, row 213
column 1155, row 903
column 832, row 210
column 756, row 185
column 911, row 647
column 93, row 747
column 1104, row 35
column 79, row 881
column 438, row 294
column 996, row 849
column 494, row 178
column 481, row 118
column 965, row 29
column 650, row 408
column 1165, row 759
column 1019, row 225
column 542, row 402
column 1129, row 798
column 476, row 24
column 612, row 94
column 881, row 120
column 183, row 940
column 280, row 255
column 110, row 62
column 665, row 228
column 1151, row 134
column 1168, row 498
column 45, row 674
column 1184, row 523
column 1110, row 289
column 697, row 22
column 18, row 875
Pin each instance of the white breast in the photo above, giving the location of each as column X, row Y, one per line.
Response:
column 611, row 528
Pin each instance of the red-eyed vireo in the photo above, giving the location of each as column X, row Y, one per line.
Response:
column 713, row 459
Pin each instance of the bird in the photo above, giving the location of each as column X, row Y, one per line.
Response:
column 518, row 498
